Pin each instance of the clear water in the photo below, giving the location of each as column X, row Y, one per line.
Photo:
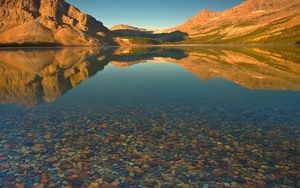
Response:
column 170, row 116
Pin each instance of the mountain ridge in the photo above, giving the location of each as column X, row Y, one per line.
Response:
column 245, row 8
column 57, row 23
column 49, row 21
column 125, row 27
column 253, row 21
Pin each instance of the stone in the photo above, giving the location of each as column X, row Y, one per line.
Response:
column 20, row 185
column 54, row 22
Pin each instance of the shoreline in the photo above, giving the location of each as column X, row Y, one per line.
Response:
column 159, row 45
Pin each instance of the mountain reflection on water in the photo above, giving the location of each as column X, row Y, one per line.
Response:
column 32, row 76
column 150, row 117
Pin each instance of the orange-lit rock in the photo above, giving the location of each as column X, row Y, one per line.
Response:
column 253, row 21
column 49, row 21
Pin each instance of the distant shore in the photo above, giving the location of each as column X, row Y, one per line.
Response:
column 56, row 45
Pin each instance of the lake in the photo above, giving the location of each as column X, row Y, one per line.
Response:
column 210, row 116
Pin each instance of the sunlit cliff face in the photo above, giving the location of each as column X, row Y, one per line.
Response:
column 48, row 21
column 33, row 76
column 253, row 21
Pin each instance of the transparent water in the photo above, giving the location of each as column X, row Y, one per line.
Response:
column 152, row 116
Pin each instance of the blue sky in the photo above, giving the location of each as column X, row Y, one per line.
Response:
column 153, row 14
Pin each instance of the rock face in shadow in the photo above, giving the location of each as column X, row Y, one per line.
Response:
column 131, row 31
column 253, row 21
column 49, row 22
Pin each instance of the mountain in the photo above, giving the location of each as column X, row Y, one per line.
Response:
column 57, row 23
column 253, row 21
column 126, row 35
column 126, row 27
column 48, row 22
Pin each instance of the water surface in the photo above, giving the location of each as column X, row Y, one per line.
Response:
column 131, row 117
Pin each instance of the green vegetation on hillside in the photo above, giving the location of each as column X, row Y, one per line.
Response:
column 291, row 35
column 143, row 41
column 277, row 34
column 285, row 36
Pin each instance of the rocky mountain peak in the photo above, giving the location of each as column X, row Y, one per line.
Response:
column 253, row 21
column 251, row 6
column 246, row 8
column 56, row 18
column 203, row 16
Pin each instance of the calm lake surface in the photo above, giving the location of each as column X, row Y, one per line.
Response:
column 150, row 117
